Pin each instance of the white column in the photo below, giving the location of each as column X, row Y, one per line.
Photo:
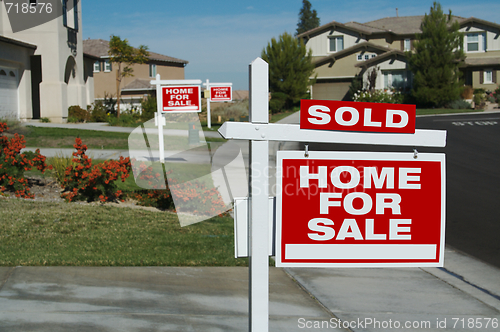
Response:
column 259, row 198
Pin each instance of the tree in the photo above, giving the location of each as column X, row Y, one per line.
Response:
column 290, row 71
column 124, row 56
column 308, row 19
column 436, row 59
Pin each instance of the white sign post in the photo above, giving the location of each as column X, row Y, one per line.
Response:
column 160, row 120
column 259, row 199
column 260, row 132
column 209, row 120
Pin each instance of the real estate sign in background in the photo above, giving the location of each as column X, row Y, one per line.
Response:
column 181, row 98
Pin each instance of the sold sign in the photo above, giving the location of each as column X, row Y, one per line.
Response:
column 183, row 98
column 357, row 116
column 360, row 209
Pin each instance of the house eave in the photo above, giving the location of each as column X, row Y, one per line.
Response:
column 17, row 42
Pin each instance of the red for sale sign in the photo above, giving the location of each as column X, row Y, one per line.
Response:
column 357, row 116
column 360, row 209
column 221, row 93
column 182, row 98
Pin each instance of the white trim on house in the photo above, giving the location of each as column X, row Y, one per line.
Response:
column 488, row 76
column 107, row 66
column 407, row 44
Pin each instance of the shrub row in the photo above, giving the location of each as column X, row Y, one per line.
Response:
column 13, row 164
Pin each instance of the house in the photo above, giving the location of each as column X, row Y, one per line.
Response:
column 343, row 50
column 133, row 88
column 43, row 70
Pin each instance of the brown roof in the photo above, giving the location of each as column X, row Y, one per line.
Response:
column 400, row 25
column 379, row 57
column 100, row 47
column 482, row 61
column 139, row 84
column 346, row 51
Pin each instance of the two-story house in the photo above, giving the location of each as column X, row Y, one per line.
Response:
column 43, row 70
column 342, row 51
column 133, row 88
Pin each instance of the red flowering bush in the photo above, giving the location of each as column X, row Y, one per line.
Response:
column 156, row 197
column 13, row 164
column 197, row 198
column 191, row 197
column 91, row 182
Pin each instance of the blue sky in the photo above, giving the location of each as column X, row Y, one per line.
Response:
column 220, row 38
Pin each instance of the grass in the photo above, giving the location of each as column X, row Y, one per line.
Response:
column 278, row 116
column 65, row 138
column 70, row 234
column 438, row 111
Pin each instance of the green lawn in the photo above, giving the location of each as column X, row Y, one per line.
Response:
column 65, row 138
column 438, row 111
column 41, row 233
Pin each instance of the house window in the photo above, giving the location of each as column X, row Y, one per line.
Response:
column 364, row 56
column 152, row 70
column 397, row 79
column 97, row 67
column 107, row 66
column 336, row 43
column 407, row 45
column 473, row 42
column 488, row 76
column 70, row 14
column 476, row 42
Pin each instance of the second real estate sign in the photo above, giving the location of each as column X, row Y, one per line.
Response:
column 360, row 209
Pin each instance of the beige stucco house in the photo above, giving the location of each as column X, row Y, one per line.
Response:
column 135, row 87
column 343, row 50
column 43, row 70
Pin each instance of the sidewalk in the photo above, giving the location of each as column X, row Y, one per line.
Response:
column 462, row 296
column 52, row 299
column 103, row 126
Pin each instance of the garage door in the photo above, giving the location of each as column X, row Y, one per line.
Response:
column 330, row 90
column 9, row 105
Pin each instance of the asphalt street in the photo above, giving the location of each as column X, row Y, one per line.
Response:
column 473, row 179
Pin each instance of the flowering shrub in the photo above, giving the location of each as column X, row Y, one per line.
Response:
column 198, row 199
column 191, row 197
column 156, row 197
column 13, row 164
column 85, row 181
column 379, row 96
column 496, row 94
